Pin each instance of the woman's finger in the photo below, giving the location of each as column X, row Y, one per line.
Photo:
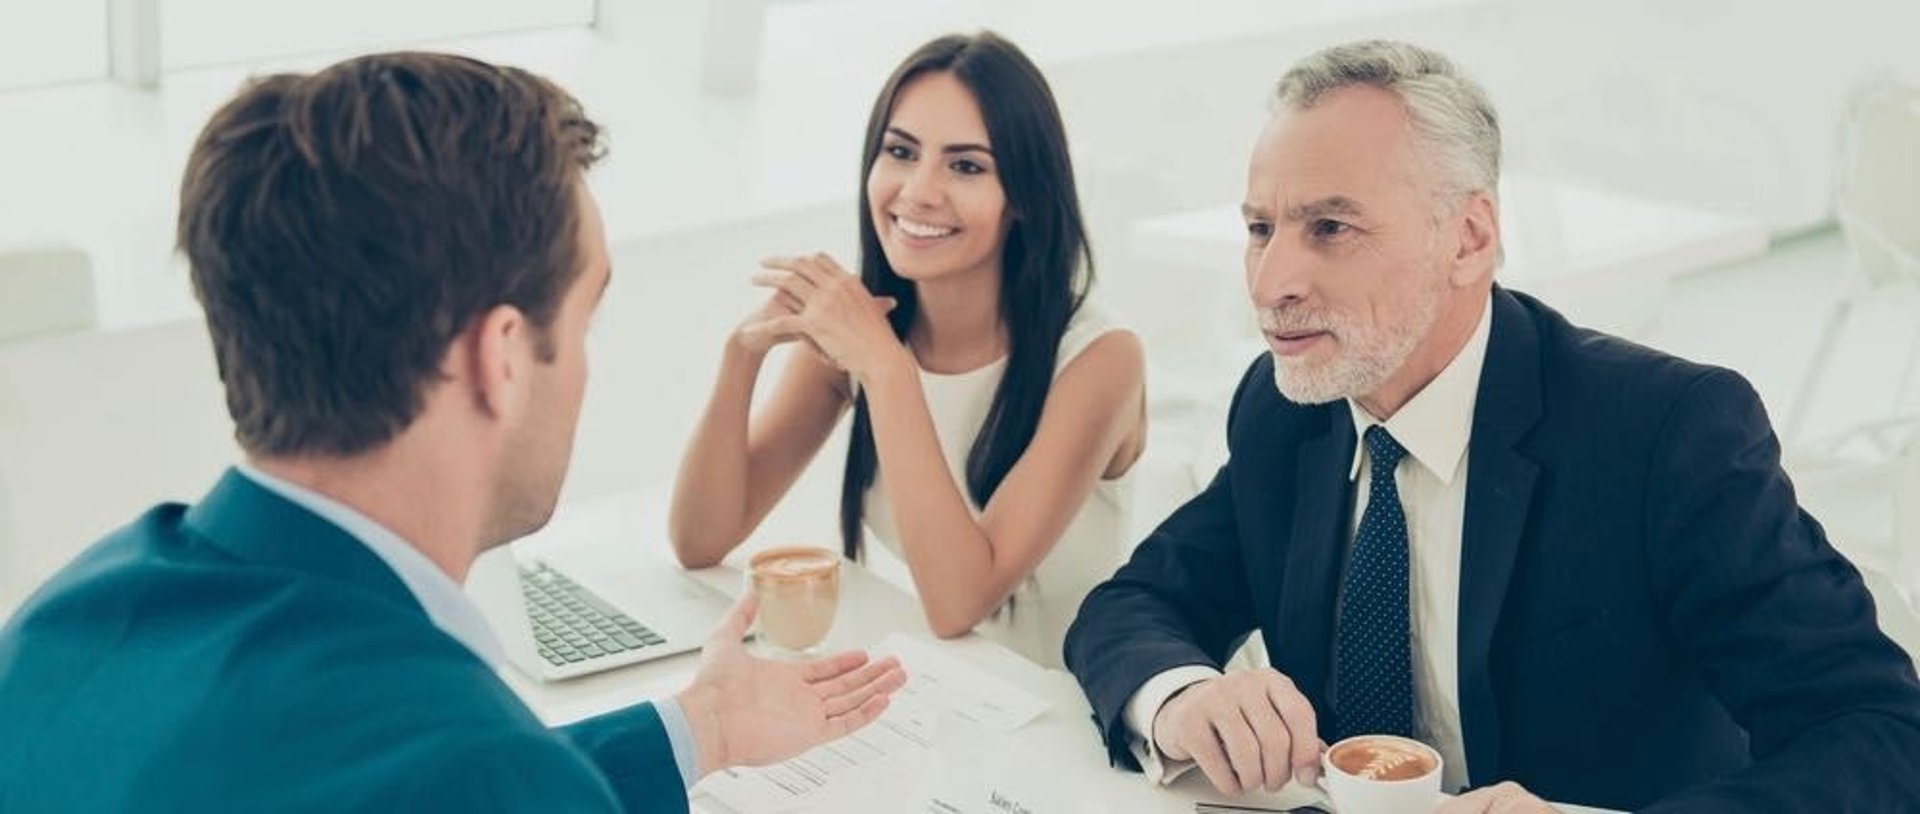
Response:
column 776, row 330
column 788, row 283
column 806, row 266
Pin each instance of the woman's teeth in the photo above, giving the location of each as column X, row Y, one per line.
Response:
column 918, row 229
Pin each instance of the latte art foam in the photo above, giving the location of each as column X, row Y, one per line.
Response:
column 794, row 565
column 1382, row 759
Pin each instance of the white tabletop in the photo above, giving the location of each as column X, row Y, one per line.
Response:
column 595, row 541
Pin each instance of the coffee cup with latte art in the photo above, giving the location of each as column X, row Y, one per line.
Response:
column 799, row 589
column 1382, row 774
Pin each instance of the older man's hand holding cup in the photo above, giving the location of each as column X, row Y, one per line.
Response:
column 1253, row 729
column 1248, row 729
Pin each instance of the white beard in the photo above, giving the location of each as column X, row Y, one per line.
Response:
column 1364, row 359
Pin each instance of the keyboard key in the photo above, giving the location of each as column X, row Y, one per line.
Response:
column 572, row 625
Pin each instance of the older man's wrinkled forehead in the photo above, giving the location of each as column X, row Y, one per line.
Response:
column 1353, row 150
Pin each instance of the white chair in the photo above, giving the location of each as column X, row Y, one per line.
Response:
column 1877, row 203
column 45, row 290
column 94, row 429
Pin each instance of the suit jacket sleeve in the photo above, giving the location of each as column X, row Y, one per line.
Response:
column 515, row 771
column 1181, row 599
column 1780, row 623
column 632, row 750
column 620, row 761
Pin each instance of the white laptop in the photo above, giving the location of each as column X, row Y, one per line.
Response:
column 553, row 628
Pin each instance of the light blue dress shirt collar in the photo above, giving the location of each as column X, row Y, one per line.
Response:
column 446, row 604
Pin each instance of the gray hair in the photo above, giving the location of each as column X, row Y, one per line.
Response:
column 1452, row 117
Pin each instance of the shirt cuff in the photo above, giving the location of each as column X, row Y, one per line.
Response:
column 1145, row 705
column 685, row 754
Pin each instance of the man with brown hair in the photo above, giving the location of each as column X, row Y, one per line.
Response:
column 398, row 257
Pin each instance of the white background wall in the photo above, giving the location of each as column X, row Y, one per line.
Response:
column 212, row 32
column 1726, row 105
column 43, row 42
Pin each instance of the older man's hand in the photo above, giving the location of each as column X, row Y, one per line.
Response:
column 1249, row 729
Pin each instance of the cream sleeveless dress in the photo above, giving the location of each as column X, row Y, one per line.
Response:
column 1034, row 622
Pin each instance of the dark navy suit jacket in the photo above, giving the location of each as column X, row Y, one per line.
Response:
column 1646, row 615
column 247, row 655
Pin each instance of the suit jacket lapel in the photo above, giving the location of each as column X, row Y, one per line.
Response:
column 254, row 524
column 1320, row 510
column 1500, row 481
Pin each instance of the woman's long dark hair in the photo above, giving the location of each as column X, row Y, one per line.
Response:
column 1045, row 264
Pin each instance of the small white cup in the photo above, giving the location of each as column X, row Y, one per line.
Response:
column 1353, row 794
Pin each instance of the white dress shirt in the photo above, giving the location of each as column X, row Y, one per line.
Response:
column 1434, row 428
column 447, row 606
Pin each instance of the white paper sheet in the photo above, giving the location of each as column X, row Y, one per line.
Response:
column 976, row 771
column 945, row 684
column 886, row 757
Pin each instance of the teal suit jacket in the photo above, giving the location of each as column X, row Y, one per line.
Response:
column 245, row 654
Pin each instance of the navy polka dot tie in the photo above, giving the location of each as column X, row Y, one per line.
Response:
column 1373, row 683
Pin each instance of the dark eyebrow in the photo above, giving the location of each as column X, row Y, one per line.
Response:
column 605, row 283
column 1330, row 205
column 949, row 149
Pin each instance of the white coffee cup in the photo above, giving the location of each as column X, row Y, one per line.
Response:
column 1383, row 774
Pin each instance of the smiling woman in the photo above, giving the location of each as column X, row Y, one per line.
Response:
column 994, row 414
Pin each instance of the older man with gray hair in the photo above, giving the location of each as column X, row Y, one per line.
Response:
column 1570, row 564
